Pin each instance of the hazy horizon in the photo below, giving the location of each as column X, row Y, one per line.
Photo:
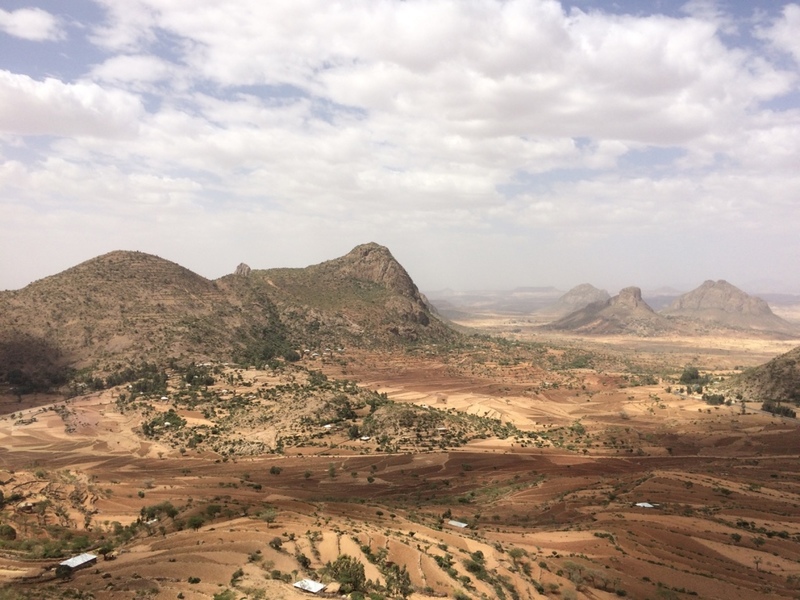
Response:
column 752, row 287
column 489, row 145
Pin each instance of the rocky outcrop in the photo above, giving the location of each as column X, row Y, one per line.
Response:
column 362, row 298
column 242, row 270
column 630, row 298
column 724, row 304
column 375, row 263
column 624, row 314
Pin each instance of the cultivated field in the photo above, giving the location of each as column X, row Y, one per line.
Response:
column 550, row 504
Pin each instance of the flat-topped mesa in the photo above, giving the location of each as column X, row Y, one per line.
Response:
column 630, row 297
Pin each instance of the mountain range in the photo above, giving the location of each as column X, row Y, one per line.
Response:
column 126, row 307
column 715, row 304
column 131, row 306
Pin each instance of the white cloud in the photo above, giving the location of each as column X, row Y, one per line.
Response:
column 783, row 32
column 398, row 121
column 712, row 11
column 32, row 24
column 52, row 107
column 133, row 69
column 130, row 26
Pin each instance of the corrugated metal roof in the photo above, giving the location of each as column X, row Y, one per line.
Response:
column 309, row 585
column 457, row 524
column 79, row 561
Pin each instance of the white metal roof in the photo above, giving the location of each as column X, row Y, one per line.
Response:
column 77, row 561
column 457, row 524
column 309, row 585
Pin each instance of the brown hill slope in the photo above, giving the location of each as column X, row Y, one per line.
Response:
column 625, row 313
column 122, row 306
column 724, row 304
column 364, row 298
column 131, row 306
column 779, row 379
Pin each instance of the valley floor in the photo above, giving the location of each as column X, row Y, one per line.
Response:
column 551, row 510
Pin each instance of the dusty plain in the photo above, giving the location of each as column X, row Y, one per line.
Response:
column 551, row 507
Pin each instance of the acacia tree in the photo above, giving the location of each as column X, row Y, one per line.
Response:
column 690, row 375
column 63, row 572
column 398, row 581
column 349, row 572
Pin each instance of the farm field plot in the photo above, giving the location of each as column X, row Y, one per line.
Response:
column 550, row 505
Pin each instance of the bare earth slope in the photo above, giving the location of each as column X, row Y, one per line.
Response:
column 778, row 380
column 723, row 303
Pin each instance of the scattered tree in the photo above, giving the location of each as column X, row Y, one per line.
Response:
column 349, row 572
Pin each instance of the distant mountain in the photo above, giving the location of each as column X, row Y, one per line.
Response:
column 131, row 306
column 577, row 298
column 778, row 380
column 545, row 290
column 724, row 304
column 624, row 314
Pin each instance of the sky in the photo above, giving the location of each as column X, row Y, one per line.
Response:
column 488, row 144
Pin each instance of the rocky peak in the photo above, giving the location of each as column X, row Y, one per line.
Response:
column 630, row 297
column 720, row 295
column 725, row 304
column 242, row 270
column 373, row 262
